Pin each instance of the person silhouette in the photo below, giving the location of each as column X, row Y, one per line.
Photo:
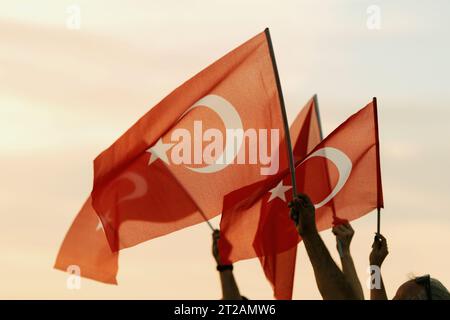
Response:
column 417, row 288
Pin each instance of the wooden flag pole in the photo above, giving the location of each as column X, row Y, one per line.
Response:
column 284, row 115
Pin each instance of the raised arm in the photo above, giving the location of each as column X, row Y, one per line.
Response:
column 344, row 234
column 230, row 290
column 377, row 256
column 330, row 280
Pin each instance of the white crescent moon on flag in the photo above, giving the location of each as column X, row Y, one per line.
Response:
column 140, row 186
column 231, row 119
column 343, row 165
column 140, row 190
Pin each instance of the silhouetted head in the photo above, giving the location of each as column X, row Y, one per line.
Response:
column 422, row 288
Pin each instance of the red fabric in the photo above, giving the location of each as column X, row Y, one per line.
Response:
column 279, row 268
column 137, row 201
column 380, row 199
column 85, row 246
column 251, row 228
column 337, row 221
column 280, row 271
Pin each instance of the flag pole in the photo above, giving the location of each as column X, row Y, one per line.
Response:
column 283, row 113
column 378, row 220
column 379, row 185
column 316, row 107
column 207, row 221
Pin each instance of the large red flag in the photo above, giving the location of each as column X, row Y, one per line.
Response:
column 86, row 245
column 217, row 132
column 350, row 188
column 86, row 248
column 279, row 268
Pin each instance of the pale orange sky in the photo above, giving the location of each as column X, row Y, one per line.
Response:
column 65, row 95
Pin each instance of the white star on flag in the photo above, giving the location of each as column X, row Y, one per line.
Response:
column 279, row 192
column 159, row 151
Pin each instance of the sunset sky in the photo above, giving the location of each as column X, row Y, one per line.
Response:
column 66, row 95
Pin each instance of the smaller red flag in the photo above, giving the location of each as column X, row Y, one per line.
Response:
column 339, row 175
column 279, row 268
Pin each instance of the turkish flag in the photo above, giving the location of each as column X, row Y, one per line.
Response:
column 279, row 268
column 86, row 249
column 341, row 175
column 86, row 245
column 180, row 159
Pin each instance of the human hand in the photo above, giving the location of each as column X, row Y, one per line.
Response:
column 379, row 251
column 304, row 215
column 344, row 234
